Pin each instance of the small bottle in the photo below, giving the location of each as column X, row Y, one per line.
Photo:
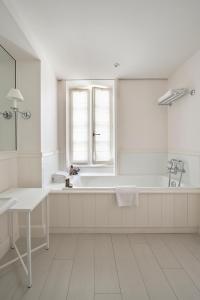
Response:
column 67, row 183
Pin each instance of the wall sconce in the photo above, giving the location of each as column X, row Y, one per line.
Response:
column 16, row 96
column 6, row 114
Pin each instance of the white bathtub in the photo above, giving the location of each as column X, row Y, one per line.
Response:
column 90, row 206
column 114, row 181
column 109, row 183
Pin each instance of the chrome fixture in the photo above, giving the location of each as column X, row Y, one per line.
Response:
column 173, row 183
column 116, row 65
column 6, row 114
column 174, row 94
column 16, row 96
column 175, row 166
column 24, row 114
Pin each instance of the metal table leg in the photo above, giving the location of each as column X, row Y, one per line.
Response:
column 27, row 268
column 47, row 222
column 11, row 234
column 28, row 237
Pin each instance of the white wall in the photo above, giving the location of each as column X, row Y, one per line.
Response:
column 142, row 127
column 29, row 140
column 29, row 167
column 48, row 109
column 28, row 81
column 8, row 170
column 37, row 142
column 183, row 119
column 8, row 179
column 49, row 126
column 37, row 136
column 62, row 134
column 7, row 81
column 9, row 33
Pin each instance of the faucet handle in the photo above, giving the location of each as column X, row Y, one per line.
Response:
column 169, row 165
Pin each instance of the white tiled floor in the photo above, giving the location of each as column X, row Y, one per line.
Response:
column 110, row 267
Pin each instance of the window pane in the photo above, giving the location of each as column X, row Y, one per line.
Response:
column 80, row 125
column 102, row 125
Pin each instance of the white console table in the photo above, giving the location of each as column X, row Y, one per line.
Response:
column 27, row 199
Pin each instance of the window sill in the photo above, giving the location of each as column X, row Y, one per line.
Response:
column 95, row 166
column 95, row 174
column 96, row 170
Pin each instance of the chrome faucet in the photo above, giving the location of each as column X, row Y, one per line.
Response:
column 175, row 166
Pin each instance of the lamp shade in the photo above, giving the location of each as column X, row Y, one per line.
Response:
column 15, row 96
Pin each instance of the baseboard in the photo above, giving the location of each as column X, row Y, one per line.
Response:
column 4, row 246
column 123, row 229
column 36, row 231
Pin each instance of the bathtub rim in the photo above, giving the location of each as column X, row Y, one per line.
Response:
column 60, row 189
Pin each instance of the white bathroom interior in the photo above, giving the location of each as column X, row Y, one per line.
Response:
column 99, row 149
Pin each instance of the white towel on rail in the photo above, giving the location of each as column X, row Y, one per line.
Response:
column 127, row 196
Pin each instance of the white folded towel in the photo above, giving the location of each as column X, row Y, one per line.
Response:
column 127, row 196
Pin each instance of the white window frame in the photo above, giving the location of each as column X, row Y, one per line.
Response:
column 91, row 129
column 94, row 162
column 71, row 127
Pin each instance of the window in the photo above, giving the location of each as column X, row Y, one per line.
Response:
column 80, row 126
column 91, row 125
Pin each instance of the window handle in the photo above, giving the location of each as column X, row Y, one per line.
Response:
column 94, row 133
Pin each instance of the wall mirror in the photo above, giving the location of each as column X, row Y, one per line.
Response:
column 7, row 117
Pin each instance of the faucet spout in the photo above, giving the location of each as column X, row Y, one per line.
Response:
column 175, row 166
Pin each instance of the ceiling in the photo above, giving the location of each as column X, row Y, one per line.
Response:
column 82, row 39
